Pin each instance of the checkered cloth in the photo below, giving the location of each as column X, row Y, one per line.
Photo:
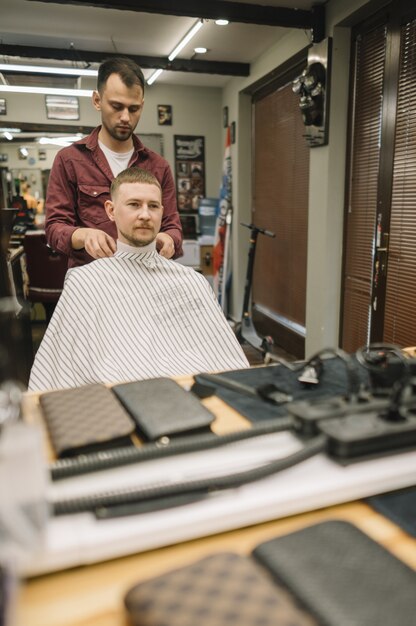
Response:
column 221, row 590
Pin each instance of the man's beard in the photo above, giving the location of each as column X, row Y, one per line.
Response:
column 120, row 135
column 137, row 242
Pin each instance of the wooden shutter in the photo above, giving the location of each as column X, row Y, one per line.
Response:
column 400, row 308
column 360, row 228
column 280, row 204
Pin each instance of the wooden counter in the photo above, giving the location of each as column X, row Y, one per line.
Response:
column 93, row 595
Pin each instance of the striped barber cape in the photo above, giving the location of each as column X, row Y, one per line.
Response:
column 133, row 316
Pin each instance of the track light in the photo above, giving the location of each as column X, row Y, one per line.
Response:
column 189, row 35
column 40, row 69
column 60, row 141
column 154, row 76
column 73, row 71
column 195, row 28
column 48, row 91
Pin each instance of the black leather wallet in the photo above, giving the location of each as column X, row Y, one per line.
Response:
column 342, row 576
column 399, row 506
column 160, row 407
column 85, row 419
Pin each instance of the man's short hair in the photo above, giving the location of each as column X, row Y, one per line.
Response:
column 128, row 70
column 134, row 175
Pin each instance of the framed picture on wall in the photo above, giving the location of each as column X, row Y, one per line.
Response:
column 225, row 117
column 3, row 106
column 164, row 114
column 232, row 132
column 182, row 168
column 62, row 107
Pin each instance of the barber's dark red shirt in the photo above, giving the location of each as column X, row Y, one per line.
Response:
column 79, row 184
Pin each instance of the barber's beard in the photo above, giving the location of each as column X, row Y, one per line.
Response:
column 120, row 134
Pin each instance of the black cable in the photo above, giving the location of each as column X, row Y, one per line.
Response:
column 375, row 362
column 212, row 484
column 375, row 355
column 228, row 383
column 117, row 457
column 354, row 382
column 352, row 374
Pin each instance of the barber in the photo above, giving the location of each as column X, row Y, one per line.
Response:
column 76, row 223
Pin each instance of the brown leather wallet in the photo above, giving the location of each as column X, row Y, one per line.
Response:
column 225, row 589
column 330, row 573
column 85, row 419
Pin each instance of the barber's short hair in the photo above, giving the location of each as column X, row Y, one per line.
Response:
column 128, row 70
column 134, row 175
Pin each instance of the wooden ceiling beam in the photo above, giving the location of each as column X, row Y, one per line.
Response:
column 206, row 9
column 145, row 62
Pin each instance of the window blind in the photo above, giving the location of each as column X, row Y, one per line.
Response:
column 400, row 308
column 365, row 138
column 280, row 204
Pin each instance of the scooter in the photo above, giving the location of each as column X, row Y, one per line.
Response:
column 246, row 331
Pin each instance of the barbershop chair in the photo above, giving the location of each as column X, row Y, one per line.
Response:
column 46, row 271
column 23, row 221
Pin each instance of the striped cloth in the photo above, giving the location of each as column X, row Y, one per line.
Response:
column 133, row 316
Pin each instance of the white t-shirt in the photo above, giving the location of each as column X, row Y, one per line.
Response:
column 118, row 161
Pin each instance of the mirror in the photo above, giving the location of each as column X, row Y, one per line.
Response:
column 27, row 132
column 27, row 152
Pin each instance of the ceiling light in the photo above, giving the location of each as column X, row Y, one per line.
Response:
column 200, row 50
column 191, row 33
column 10, row 130
column 153, row 77
column 222, row 22
column 8, row 135
column 195, row 28
column 24, row 152
column 38, row 69
column 59, row 141
column 48, row 91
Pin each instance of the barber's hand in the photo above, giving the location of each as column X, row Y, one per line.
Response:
column 96, row 242
column 165, row 245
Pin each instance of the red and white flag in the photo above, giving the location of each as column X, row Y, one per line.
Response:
column 222, row 241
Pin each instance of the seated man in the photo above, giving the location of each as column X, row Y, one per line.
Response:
column 134, row 315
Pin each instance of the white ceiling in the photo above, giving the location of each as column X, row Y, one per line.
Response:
column 128, row 32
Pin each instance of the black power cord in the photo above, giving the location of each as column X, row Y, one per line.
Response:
column 378, row 359
column 208, row 485
column 117, row 457
column 342, row 437
column 315, row 364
